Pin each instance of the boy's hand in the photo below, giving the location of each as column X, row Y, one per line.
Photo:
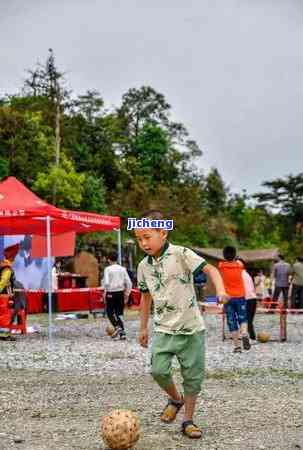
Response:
column 223, row 298
column 143, row 337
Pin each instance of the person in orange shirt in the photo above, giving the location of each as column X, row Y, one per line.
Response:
column 235, row 308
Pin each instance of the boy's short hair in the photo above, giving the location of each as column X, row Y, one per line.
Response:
column 229, row 253
column 113, row 257
column 152, row 214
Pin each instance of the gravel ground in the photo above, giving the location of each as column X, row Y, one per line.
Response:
column 55, row 399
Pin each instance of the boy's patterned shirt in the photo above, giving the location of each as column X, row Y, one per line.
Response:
column 169, row 280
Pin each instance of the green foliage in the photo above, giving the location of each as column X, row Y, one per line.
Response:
column 155, row 157
column 285, row 195
column 26, row 143
column 91, row 145
column 94, row 195
column 69, row 185
column 215, row 193
column 3, row 168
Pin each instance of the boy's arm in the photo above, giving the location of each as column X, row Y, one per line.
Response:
column 146, row 301
column 216, row 278
column 127, row 286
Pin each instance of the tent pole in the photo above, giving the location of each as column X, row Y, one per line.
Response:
column 49, row 277
column 119, row 247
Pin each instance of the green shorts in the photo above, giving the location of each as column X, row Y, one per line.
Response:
column 189, row 349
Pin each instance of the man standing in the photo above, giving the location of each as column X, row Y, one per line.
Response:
column 281, row 273
column 297, row 284
column 117, row 287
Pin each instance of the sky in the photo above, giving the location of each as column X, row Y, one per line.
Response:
column 232, row 70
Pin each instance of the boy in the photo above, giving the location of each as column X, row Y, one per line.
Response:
column 117, row 287
column 235, row 309
column 165, row 276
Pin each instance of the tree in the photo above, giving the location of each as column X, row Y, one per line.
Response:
column 91, row 145
column 26, row 143
column 141, row 106
column 215, row 193
column 70, row 185
column 89, row 105
column 46, row 85
column 255, row 226
column 3, row 168
column 94, row 195
column 286, row 196
column 156, row 158
column 146, row 105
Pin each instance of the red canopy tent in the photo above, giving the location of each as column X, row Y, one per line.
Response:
column 23, row 212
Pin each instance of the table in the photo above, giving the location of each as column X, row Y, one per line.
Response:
column 73, row 299
column 71, row 281
column 34, row 301
column 81, row 299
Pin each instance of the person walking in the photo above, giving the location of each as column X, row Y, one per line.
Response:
column 117, row 287
column 235, row 309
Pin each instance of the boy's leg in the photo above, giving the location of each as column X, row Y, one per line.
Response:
column 242, row 318
column 119, row 310
column 285, row 291
column 110, row 310
column 251, row 311
column 161, row 361
column 276, row 296
column 191, row 356
column 232, row 322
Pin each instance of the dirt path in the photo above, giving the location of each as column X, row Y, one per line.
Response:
column 48, row 410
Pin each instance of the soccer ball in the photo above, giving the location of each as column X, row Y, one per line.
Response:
column 110, row 330
column 263, row 337
column 120, row 429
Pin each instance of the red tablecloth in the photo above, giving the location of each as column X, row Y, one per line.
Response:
column 34, row 301
column 84, row 299
column 73, row 299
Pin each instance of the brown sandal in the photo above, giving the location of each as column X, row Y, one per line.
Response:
column 191, row 430
column 171, row 410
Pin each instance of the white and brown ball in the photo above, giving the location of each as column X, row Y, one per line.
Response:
column 109, row 330
column 120, row 429
column 263, row 337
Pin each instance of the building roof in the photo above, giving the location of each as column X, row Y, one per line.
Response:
column 268, row 254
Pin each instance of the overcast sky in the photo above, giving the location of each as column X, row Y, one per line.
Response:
column 231, row 69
